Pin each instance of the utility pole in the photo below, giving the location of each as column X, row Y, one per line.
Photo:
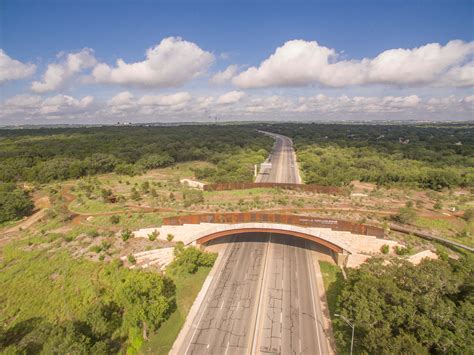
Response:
column 350, row 325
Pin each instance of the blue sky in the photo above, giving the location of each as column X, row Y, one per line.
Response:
column 244, row 34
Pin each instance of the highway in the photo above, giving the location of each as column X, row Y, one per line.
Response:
column 283, row 160
column 263, row 297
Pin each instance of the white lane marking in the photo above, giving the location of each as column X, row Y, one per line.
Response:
column 253, row 344
column 206, row 300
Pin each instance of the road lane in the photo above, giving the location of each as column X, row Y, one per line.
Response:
column 283, row 159
column 231, row 305
column 264, row 299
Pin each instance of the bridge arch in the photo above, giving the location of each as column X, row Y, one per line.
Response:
column 323, row 239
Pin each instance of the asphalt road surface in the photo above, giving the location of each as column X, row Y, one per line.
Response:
column 263, row 298
column 283, row 160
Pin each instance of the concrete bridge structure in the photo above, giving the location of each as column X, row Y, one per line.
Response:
column 348, row 249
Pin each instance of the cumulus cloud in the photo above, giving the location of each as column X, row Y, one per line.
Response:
column 299, row 63
column 57, row 74
column 178, row 98
column 230, row 97
column 171, row 63
column 182, row 105
column 122, row 101
column 12, row 69
column 54, row 107
column 61, row 103
column 224, row 76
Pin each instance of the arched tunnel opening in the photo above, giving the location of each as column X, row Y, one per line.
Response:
column 217, row 243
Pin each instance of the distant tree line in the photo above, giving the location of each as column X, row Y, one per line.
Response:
column 427, row 156
column 45, row 155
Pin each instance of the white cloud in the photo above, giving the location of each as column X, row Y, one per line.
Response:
column 178, row 98
column 123, row 100
column 299, row 63
column 27, row 107
column 230, row 97
column 12, row 69
column 57, row 74
column 224, row 76
column 468, row 99
column 171, row 63
column 61, row 103
column 460, row 76
column 181, row 105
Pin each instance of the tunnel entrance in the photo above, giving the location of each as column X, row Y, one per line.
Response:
column 323, row 252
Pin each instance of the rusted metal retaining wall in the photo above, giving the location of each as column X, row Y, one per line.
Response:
column 261, row 217
column 332, row 190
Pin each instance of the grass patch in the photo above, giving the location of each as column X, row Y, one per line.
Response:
column 333, row 282
column 187, row 289
column 441, row 225
column 130, row 220
column 54, row 287
column 93, row 206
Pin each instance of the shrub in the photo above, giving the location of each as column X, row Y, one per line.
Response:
column 135, row 195
column 126, row 235
column 469, row 214
column 114, row 219
column 192, row 197
column 405, row 215
column 402, row 250
column 438, row 205
column 131, row 259
column 93, row 233
column 169, row 237
column 153, row 235
column 385, row 249
column 207, row 259
column 190, row 259
column 105, row 245
column 95, row 248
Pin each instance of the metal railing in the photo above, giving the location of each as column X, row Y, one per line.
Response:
column 258, row 217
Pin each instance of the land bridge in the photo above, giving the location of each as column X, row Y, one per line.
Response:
column 348, row 242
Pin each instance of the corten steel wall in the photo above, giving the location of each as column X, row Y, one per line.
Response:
column 261, row 217
column 251, row 185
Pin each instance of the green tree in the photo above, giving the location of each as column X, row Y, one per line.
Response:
column 148, row 300
column 14, row 203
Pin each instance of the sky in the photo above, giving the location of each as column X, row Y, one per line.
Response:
column 110, row 61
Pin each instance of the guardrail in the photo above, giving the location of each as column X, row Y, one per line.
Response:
column 332, row 190
column 427, row 236
column 249, row 217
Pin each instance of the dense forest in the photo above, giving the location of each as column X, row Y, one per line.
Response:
column 426, row 156
column 45, row 155
column 400, row 308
